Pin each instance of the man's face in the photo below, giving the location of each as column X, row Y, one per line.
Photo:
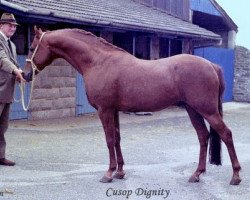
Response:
column 8, row 29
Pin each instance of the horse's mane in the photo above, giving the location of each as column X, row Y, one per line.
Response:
column 78, row 33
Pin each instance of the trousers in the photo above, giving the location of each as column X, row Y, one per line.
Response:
column 4, row 123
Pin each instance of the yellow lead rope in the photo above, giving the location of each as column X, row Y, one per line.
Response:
column 34, row 69
column 22, row 90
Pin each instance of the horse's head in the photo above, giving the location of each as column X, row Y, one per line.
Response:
column 39, row 53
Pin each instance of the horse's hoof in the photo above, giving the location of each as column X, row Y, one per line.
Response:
column 106, row 179
column 194, row 179
column 119, row 175
column 235, row 181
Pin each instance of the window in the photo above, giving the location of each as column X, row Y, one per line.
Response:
column 164, row 47
column 21, row 40
column 169, row 47
column 124, row 41
column 176, row 47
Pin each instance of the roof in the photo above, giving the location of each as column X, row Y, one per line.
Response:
column 122, row 14
column 225, row 16
column 212, row 13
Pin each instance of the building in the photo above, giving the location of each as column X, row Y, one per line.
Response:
column 209, row 15
column 148, row 29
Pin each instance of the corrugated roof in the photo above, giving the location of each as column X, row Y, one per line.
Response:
column 121, row 14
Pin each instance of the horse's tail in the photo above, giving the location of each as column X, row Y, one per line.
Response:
column 215, row 140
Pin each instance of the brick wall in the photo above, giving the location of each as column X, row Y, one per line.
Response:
column 54, row 94
column 242, row 75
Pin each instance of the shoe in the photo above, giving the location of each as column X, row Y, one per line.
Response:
column 4, row 161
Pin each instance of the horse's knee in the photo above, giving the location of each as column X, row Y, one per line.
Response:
column 110, row 143
column 117, row 140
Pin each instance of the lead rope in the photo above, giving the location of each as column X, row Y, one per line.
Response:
column 22, row 89
column 22, row 84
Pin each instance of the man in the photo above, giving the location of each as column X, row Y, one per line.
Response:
column 9, row 73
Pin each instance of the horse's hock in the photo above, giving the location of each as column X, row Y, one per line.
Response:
column 54, row 92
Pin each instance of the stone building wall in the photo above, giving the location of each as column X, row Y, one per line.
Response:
column 54, row 94
column 242, row 75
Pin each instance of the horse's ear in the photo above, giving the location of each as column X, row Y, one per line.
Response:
column 38, row 32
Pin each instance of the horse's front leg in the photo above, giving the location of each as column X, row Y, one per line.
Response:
column 120, row 172
column 108, row 122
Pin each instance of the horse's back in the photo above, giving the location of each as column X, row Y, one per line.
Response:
column 156, row 84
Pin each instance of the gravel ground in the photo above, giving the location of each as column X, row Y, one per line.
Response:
column 64, row 159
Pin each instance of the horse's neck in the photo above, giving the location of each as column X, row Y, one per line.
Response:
column 77, row 53
column 84, row 55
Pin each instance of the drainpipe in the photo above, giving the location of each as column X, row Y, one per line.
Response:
column 231, row 39
column 169, row 48
column 134, row 44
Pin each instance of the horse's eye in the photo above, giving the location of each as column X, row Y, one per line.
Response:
column 31, row 49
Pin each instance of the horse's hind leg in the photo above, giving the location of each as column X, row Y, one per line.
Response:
column 203, row 136
column 120, row 172
column 225, row 133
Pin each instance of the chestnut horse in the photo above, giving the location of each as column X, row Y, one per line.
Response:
column 117, row 81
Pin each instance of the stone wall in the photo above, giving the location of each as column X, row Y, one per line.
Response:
column 242, row 75
column 54, row 94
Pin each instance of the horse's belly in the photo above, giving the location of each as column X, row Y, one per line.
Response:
column 152, row 100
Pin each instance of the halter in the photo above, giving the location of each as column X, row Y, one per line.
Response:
column 34, row 69
column 34, row 53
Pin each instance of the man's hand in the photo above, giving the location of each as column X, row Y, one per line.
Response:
column 19, row 76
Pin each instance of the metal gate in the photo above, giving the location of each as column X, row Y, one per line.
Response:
column 224, row 58
column 17, row 111
column 83, row 106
